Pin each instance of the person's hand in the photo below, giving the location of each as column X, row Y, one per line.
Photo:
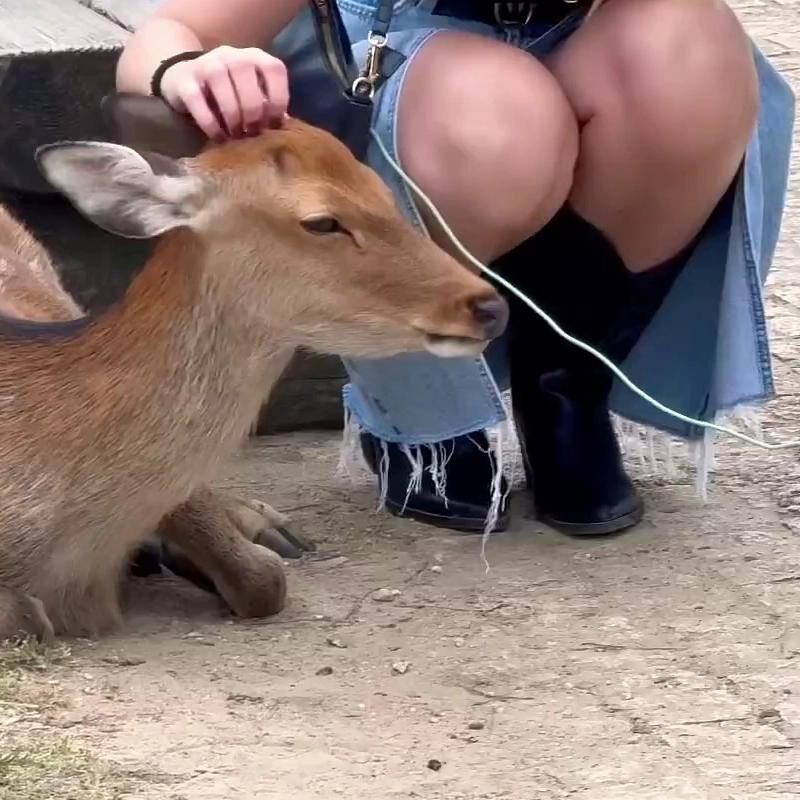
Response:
column 230, row 92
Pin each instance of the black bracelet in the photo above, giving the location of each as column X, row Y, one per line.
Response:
column 158, row 75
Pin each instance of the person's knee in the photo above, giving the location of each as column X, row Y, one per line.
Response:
column 684, row 70
column 487, row 132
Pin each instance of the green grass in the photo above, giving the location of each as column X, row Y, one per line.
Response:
column 30, row 656
column 36, row 763
column 45, row 769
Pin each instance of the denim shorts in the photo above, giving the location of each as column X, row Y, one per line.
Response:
column 705, row 351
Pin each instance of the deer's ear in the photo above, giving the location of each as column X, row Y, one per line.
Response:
column 126, row 193
column 148, row 123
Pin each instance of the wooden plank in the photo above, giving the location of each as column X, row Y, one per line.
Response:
column 42, row 26
column 96, row 266
column 301, row 405
column 57, row 60
column 128, row 14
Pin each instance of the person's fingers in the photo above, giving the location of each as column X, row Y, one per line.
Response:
column 216, row 80
column 229, row 91
column 250, row 94
column 275, row 82
column 194, row 99
column 183, row 91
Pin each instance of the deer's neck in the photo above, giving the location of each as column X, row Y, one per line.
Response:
column 182, row 304
column 180, row 357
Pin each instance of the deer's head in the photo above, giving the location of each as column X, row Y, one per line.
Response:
column 308, row 238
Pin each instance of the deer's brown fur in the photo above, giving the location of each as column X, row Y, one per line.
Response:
column 112, row 430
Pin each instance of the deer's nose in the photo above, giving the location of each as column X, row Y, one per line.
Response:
column 491, row 314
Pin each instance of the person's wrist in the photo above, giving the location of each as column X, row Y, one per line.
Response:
column 161, row 70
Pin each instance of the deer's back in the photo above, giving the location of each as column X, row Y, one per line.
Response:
column 34, row 497
column 30, row 288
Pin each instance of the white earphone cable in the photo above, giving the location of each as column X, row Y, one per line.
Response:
column 577, row 342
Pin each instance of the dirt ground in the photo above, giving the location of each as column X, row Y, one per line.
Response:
column 663, row 664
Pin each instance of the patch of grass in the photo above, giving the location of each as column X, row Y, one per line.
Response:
column 36, row 764
column 23, row 660
column 30, row 656
column 57, row 768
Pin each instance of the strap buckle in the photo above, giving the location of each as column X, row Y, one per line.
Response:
column 365, row 84
column 513, row 15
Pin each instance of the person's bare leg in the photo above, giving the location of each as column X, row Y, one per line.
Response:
column 488, row 135
column 666, row 95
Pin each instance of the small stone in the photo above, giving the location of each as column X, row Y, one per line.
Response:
column 245, row 699
column 400, row 667
column 641, row 726
column 386, row 595
column 436, row 569
column 325, row 671
column 769, row 716
column 124, row 661
column 337, row 643
column 434, row 764
column 477, row 725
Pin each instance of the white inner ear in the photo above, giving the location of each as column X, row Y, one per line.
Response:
column 116, row 188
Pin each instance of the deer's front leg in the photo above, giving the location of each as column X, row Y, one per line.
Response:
column 204, row 543
column 257, row 521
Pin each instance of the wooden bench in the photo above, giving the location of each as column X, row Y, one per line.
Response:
column 57, row 61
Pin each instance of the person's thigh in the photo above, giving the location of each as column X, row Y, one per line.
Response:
column 482, row 127
column 492, row 140
column 666, row 95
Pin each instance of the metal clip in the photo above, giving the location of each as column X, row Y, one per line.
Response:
column 520, row 14
column 366, row 83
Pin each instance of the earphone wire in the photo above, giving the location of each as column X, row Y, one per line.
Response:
column 794, row 443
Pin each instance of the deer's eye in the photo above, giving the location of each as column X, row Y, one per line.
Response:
column 322, row 226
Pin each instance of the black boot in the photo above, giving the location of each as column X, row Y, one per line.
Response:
column 469, row 475
column 560, row 392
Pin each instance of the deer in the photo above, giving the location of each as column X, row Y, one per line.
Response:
column 113, row 426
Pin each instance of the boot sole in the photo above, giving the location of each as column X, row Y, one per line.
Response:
column 457, row 524
column 618, row 524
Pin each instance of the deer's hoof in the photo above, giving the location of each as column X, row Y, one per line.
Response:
column 285, row 542
column 263, row 525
